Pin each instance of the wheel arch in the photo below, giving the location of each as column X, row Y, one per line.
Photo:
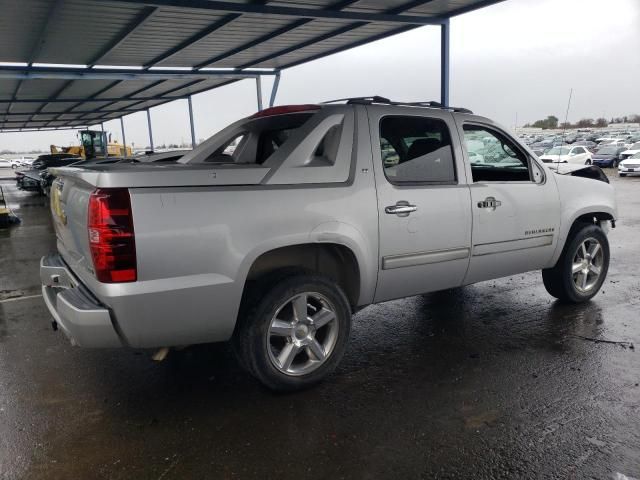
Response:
column 333, row 260
column 585, row 217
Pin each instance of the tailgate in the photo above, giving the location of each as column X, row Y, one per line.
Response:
column 69, row 209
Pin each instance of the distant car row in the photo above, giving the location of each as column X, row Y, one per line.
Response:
column 16, row 162
column 592, row 141
column 609, row 155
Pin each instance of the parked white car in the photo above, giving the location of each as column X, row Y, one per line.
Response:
column 633, row 149
column 566, row 154
column 630, row 166
column 11, row 163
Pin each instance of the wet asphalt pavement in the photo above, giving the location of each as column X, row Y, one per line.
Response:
column 493, row 380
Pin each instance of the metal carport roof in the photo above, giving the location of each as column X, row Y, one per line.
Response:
column 58, row 56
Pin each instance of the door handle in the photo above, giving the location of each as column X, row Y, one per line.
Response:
column 489, row 202
column 401, row 209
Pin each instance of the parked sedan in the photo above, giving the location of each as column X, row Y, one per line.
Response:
column 615, row 143
column 608, row 156
column 591, row 146
column 633, row 149
column 630, row 166
column 568, row 154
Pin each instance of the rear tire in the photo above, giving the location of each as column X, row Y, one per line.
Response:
column 582, row 266
column 295, row 334
column 588, row 162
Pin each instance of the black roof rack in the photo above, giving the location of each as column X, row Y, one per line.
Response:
column 385, row 101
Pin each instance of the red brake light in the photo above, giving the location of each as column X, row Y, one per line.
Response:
column 269, row 112
column 111, row 236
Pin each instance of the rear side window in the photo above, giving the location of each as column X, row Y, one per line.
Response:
column 260, row 139
column 416, row 150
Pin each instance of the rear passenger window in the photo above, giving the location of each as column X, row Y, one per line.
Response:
column 416, row 150
column 260, row 139
column 493, row 157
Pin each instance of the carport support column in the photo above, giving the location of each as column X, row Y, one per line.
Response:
column 105, row 141
column 150, row 130
column 259, row 91
column 274, row 89
column 193, row 130
column 444, row 63
column 124, row 140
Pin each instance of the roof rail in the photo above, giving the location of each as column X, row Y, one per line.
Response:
column 376, row 99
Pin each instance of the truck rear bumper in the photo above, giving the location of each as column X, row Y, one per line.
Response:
column 84, row 320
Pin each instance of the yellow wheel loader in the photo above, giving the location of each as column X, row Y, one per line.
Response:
column 92, row 145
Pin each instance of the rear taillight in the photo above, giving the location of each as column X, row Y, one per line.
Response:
column 111, row 237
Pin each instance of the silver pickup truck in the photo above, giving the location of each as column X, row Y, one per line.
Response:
column 275, row 230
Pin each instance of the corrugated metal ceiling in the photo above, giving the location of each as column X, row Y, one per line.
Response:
column 174, row 33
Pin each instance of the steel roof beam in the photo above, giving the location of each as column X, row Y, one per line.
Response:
column 297, row 12
column 82, row 100
column 48, row 121
column 41, row 129
column 67, row 73
column 339, row 31
column 145, row 14
column 61, row 112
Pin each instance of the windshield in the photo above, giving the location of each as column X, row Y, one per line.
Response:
column 635, row 146
column 636, row 156
column 607, row 151
column 558, row 151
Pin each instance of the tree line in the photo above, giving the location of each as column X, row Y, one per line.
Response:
column 553, row 122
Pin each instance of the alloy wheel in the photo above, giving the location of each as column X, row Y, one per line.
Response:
column 302, row 334
column 587, row 265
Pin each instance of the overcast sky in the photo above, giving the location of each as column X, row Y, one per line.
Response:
column 520, row 57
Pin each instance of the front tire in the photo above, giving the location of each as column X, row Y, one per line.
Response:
column 582, row 266
column 588, row 162
column 296, row 333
